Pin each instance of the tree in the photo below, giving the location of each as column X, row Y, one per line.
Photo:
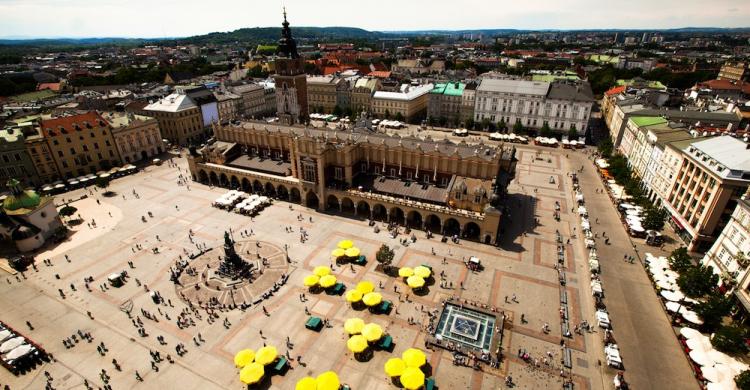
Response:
column 102, row 182
column 730, row 339
column 387, row 114
column 469, row 123
column 680, row 261
column 573, row 133
column 337, row 110
column 696, row 282
column 502, row 126
column 545, row 131
column 385, row 256
column 605, row 148
column 743, row 380
column 399, row 117
column 713, row 310
column 654, row 218
column 67, row 211
column 518, row 127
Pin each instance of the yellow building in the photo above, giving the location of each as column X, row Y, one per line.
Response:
column 179, row 118
column 137, row 137
column 321, row 93
column 407, row 104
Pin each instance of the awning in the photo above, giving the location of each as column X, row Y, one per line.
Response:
column 677, row 222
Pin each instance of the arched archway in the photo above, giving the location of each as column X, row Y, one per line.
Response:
column 311, row 200
column 471, row 231
column 246, row 185
column 270, row 190
column 235, row 182
column 223, row 180
column 379, row 212
column 363, row 209
column 347, row 205
column 282, row 193
column 257, row 186
column 451, row 227
column 213, row 179
column 414, row 219
column 433, row 224
column 294, row 196
column 332, row 203
column 397, row 216
column 202, row 176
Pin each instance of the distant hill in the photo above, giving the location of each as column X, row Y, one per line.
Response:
column 271, row 34
column 72, row 41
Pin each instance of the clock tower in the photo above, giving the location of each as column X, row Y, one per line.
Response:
column 291, row 80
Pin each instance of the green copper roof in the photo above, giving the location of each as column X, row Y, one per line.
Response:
column 450, row 89
column 654, row 84
column 26, row 200
column 548, row 78
column 642, row 121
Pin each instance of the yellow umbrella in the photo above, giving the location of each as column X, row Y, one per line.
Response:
column 244, row 357
column 415, row 281
column 252, row 373
column 414, row 357
column 365, row 287
column 352, row 252
column 405, row 272
column 327, row 281
column 328, row 381
column 311, row 280
column 354, row 325
column 322, row 270
column 372, row 299
column 266, row 355
column 357, row 343
column 395, row 367
column 338, row 252
column 353, row 296
column 412, row 378
column 307, row 383
column 372, row 332
column 345, row 244
column 422, row 271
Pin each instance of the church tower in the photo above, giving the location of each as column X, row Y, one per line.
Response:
column 290, row 78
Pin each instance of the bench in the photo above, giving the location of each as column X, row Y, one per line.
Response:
column 386, row 342
column 427, row 266
column 337, row 289
column 567, row 358
column 385, row 306
column 429, row 384
column 313, row 323
column 280, row 364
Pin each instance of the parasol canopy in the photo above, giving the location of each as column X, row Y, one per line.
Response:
column 405, row 272
column 372, row 299
column 673, row 296
column 353, row 296
column 244, row 357
column 345, row 244
column 414, row 357
column 311, row 280
column 412, row 378
column 690, row 333
column 354, row 325
column 422, row 272
column 372, row 332
column 252, row 373
column 266, row 355
column 365, row 287
column 357, row 343
column 352, row 252
column 338, row 252
column 19, row 351
column 328, row 381
column 307, row 383
column 415, row 281
column 327, row 281
column 11, row 344
column 322, row 270
column 395, row 367
column 701, row 358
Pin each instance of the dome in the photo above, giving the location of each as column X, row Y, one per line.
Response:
column 25, row 200
column 23, row 232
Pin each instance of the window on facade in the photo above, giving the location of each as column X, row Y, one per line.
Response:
column 308, row 172
column 338, row 173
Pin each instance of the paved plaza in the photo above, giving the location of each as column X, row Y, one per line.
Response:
column 523, row 266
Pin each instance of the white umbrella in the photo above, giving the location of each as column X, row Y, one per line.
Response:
column 738, row 366
column 700, row 358
column 19, row 351
column 690, row 333
column 724, row 385
column 674, row 307
column 11, row 344
column 4, row 334
column 674, row 296
column 665, row 285
column 719, row 357
column 699, row 344
column 691, row 316
column 713, row 374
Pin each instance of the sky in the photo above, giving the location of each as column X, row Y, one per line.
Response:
column 178, row 18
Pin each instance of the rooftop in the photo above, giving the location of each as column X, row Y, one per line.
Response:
column 172, row 103
column 450, row 89
column 730, row 152
column 519, row 87
column 575, row 91
column 642, row 121
column 407, row 92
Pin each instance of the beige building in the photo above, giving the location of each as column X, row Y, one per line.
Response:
column 714, row 174
column 258, row 100
column 451, row 189
column 179, row 118
column 361, row 96
column 81, row 144
column 408, row 104
column 730, row 254
column 137, row 137
column 228, row 104
column 28, row 219
column 733, row 71
column 41, row 156
column 322, row 93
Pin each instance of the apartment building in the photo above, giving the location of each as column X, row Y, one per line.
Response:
column 15, row 162
column 714, row 174
column 80, row 144
column 362, row 93
column 445, row 103
column 730, row 253
column 41, row 155
column 179, row 118
column 322, row 93
column 229, row 105
column 255, row 100
column 137, row 137
column 733, row 71
column 408, row 104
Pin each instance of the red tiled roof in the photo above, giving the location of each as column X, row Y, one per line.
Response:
column 725, row 85
column 69, row 123
column 383, row 74
column 50, row 86
column 615, row 90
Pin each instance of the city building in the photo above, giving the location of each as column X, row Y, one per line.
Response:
column 290, row 80
column 409, row 104
column 15, row 161
column 137, row 137
column 361, row 96
column 714, row 174
column 447, row 188
column 562, row 105
column 418, row 66
column 322, row 93
column 80, row 144
column 206, row 102
column 179, row 118
column 733, row 71
column 229, row 105
column 27, row 219
column 258, row 100
column 445, row 103
column 41, row 155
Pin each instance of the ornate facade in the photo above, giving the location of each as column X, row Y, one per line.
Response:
column 421, row 183
column 290, row 78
